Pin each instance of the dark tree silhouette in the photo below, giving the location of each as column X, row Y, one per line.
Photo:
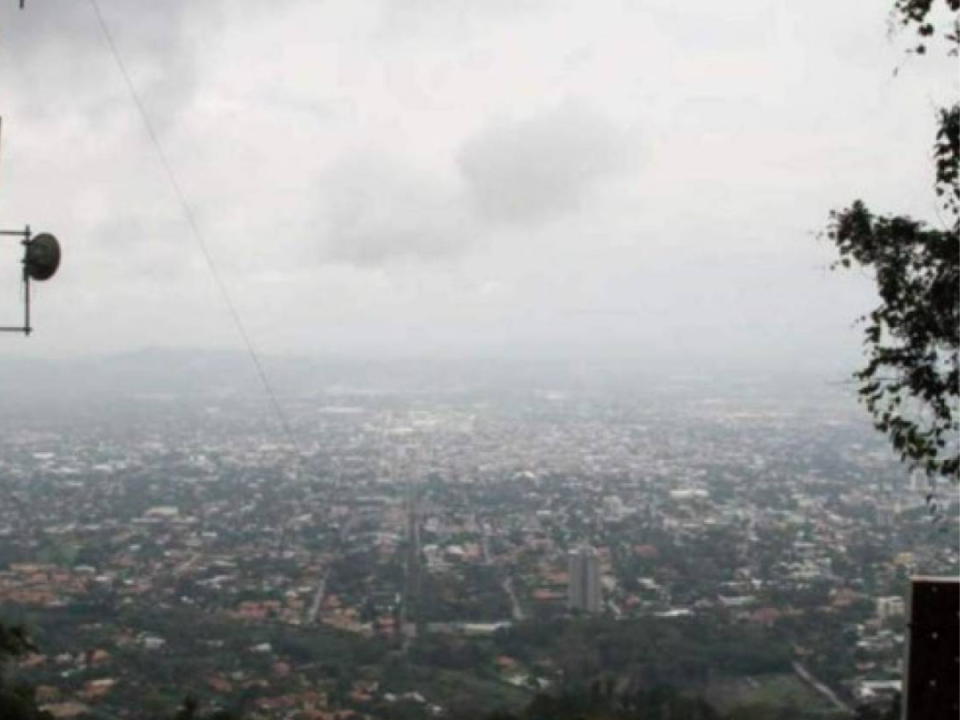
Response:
column 190, row 710
column 911, row 382
column 17, row 700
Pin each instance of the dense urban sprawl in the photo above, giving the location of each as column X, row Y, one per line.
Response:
column 412, row 554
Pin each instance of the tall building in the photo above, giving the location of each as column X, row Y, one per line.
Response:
column 583, row 583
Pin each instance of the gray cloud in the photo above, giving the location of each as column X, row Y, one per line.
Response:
column 376, row 209
column 418, row 16
column 541, row 168
column 448, row 234
column 64, row 66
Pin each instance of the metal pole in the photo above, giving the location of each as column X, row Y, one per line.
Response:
column 26, row 297
column 25, row 235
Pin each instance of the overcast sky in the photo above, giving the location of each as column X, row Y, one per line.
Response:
column 640, row 179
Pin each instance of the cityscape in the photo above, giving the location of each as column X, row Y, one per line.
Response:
column 452, row 554
column 479, row 360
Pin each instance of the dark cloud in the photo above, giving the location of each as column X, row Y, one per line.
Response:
column 541, row 168
column 63, row 65
column 377, row 210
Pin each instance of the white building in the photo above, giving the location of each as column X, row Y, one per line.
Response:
column 888, row 607
column 613, row 508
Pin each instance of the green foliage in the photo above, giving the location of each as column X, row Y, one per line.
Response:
column 911, row 382
column 13, row 643
column 916, row 14
column 449, row 652
column 17, row 700
column 190, row 710
column 912, row 336
column 18, row 703
column 679, row 652
column 893, row 712
column 601, row 702
column 658, row 703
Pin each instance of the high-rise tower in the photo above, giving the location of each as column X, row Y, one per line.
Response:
column 583, row 583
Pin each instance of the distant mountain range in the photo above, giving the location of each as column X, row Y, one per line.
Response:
column 186, row 372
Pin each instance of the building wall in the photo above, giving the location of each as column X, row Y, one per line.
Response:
column 583, row 584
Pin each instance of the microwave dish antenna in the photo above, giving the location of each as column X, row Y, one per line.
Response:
column 41, row 259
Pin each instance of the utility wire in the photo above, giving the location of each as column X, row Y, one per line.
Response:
column 195, row 227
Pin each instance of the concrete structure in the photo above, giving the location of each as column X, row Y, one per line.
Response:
column 583, row 583
column 890, row 607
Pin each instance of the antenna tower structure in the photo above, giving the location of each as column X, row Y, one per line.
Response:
column 41, row 259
